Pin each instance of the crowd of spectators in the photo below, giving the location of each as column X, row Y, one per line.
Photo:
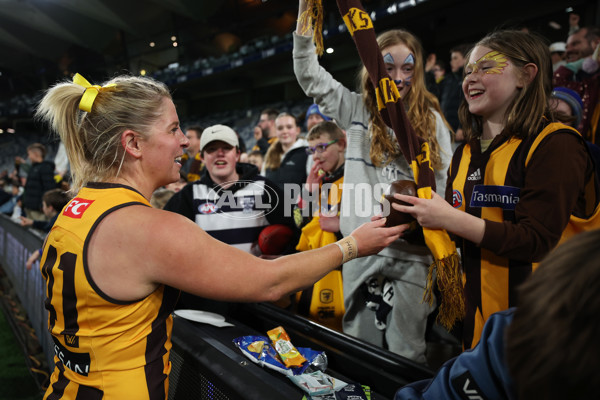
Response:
column 271, row 145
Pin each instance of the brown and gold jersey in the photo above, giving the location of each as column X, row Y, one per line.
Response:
column 530, row 203
column 104, row 348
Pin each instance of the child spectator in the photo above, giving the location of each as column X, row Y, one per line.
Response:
column 519, row 185
column 256, row 158
column 53, row 202
column 324, row 301
column 314, row 116
column 396, row 320
column 568, row 105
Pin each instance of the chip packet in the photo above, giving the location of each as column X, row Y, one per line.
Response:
column 290, row 356
column 260, row 350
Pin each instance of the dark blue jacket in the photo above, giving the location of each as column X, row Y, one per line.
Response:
column 479, row 373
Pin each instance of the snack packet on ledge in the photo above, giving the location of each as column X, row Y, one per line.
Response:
column 290, row 356
column 318, row 383
column 260, row 351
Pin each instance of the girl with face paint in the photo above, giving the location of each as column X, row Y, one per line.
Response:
column 519, row 185
column 393, row 280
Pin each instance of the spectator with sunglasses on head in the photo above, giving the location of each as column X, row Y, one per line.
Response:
column 322, row 194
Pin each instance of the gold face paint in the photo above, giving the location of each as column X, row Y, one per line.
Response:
column 490, row 63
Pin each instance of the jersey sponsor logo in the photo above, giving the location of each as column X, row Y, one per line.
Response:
column 208, row 208
column 505, row 197
column 457, row 199
column 77, row 207
column 76, row 362
column 467, row 388
column 475, row 176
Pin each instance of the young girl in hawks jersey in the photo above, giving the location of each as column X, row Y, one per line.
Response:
column 519, row 184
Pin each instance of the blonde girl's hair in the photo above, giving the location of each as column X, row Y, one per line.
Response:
column 419, row 102
column 526, row 112
column 93, row 139
column 275, row 151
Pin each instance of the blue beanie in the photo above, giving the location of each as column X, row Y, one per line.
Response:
column 314, row 109
column 572, row 99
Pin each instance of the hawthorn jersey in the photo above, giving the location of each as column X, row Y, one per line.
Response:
column 527, row 207
column 104, row 348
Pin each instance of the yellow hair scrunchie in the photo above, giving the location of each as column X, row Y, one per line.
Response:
column 91, row 91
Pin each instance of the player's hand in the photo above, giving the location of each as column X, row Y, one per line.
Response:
column 372, row 237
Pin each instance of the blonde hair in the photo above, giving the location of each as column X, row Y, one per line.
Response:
column 419, row 102
column 93, row 140
column 275, row 151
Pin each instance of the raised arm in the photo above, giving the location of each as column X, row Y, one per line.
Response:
column 333, row 98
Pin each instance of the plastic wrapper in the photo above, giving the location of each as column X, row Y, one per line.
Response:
column 260, row 350
column 290, row 356
column 353, row 391
column 317, row 383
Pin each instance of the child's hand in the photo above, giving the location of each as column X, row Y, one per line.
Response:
column 329, row 224
column 32, row 259
column 26, row 221
column 429, row 213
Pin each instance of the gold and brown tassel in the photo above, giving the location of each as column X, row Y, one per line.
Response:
column 313, row 17
column 449, row 281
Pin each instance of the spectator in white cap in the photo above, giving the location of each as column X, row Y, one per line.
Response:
column 557, row 53
column 230, row 201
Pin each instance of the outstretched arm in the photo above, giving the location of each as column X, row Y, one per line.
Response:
column 134, row 251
